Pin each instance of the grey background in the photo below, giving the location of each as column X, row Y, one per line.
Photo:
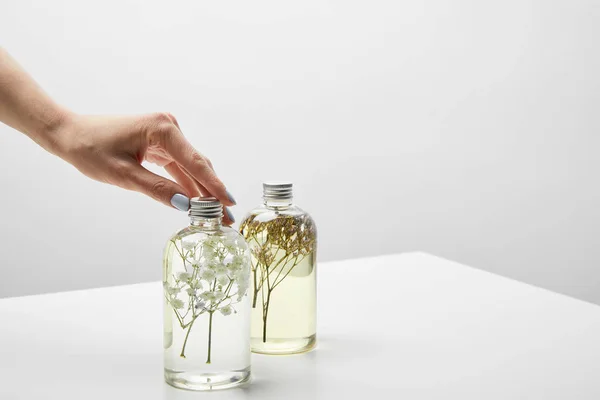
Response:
column 467, row 129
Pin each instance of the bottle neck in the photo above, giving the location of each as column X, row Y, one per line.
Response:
column 277, row 203
column 206, row 223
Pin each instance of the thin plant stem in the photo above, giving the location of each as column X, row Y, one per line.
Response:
column 265, row 316
column 225, row 296
column 283, row 267
column 210, row 318
column 176, row 313
column 262, row 295
column 293, row 266
column 270, row 271
column 270, row 290
column 256, row 288
column 180, row 254
column 186, row 338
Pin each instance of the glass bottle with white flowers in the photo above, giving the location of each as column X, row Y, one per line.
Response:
column 283, row 243
column 206, row 271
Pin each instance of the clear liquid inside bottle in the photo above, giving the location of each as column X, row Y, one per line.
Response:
column 206, row 307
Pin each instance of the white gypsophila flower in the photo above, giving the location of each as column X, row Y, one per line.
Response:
column 226, row 310
column 212, row 296
column 233, row 272
column 184, row 276
column 242, row 284
column 234, row 263
column 188, row 245
column 209, row 253
column 242, row 287
column 200, row 305
column 221, row 270
column 231, row 247
column 219, row 295
column 212, row 239
column 241, row 277
column 223, row 280
column 177, row 304
column 194, row 262
column 195, row 284
column 190, row 291
column 216, row 295
column 241, row 252
column 241, row 292
column 214, row 264
column 173, row 290
column 208, row 274
column 206, row 296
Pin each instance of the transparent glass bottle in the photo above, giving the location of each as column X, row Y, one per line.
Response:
column 283, row 242
column 206, row 272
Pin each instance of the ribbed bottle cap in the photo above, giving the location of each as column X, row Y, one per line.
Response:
column 205, row 207
column 277, row 190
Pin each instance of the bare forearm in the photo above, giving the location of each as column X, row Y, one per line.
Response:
column 25, row 106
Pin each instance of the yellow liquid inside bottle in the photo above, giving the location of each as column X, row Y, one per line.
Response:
column 289, row 324
column 283, row 281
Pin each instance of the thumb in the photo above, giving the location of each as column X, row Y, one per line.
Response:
column 159, row 188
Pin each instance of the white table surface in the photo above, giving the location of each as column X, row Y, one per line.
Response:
column 408, row 326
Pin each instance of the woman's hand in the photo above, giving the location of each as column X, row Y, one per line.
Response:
column 111, row 149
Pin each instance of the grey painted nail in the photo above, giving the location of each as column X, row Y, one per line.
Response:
column 180, row 202
column 229, row 214
column 231, row 197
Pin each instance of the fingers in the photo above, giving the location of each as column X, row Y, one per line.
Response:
column 164, row 133
column 198, row 166
column 173, row 120
column 201, row 189
column 194, row 188
column 228, row 218
column 159, row 188
column 185, row 180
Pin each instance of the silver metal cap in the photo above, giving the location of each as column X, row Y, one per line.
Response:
column 277, row 190
column 205, row 207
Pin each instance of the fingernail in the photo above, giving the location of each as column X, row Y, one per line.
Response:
column 180, row 202
column 229, row 214
column 231, row 197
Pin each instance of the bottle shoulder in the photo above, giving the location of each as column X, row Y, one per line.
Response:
column 181, row 233
column 268, row 213
column 193, row 233
column 232, row 234
column 263, row 220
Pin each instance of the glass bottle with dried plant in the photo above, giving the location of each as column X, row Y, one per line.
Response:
column 283, row 242
column 206, row 278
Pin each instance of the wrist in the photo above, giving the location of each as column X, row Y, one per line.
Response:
column 56, row 132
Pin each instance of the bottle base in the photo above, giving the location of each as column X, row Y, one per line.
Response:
column 207, row 381
column 277, row 346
